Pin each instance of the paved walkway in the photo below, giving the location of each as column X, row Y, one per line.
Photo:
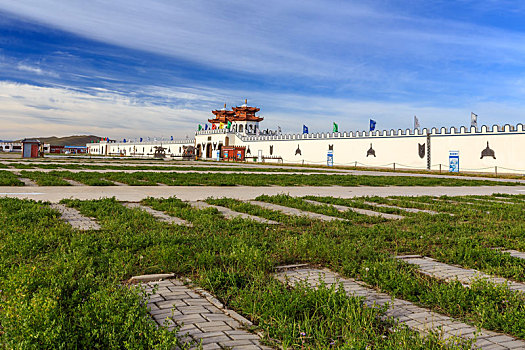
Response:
column 202, row 317
column 343, row 209
column 230, row 214
column 75, row 219
column 415, row 317
column 296, row 212
column 514, row 253
column 442, row 271
column 158, row 214
column 409, row 210
column 138, row 193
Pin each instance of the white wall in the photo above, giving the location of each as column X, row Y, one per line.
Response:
column 393, row 146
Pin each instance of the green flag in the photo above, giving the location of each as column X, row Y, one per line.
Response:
column 200, row 127
column 229, row 126
column 336, row 127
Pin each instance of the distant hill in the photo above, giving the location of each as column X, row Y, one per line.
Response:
column 77, row 140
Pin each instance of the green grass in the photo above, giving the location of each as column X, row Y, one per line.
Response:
column 7, row 178
column 62, row 288
column 240, row 179
column 44, row 179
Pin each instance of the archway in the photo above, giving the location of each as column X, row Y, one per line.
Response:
column 199, row 151
column 208, row 150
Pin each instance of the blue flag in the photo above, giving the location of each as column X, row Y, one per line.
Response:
column 124, row 140
column 141, row 139
column 305, row 129
column 372, row 125
column 172, row 138
column 205, row 126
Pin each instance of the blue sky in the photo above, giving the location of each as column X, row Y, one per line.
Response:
column 157, row 68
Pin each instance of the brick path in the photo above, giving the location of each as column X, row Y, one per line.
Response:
column 415, row 317
column 75, row 219
column 202, row 317
column 73, row 182
column 25, row 180
column 158, row 214
column 514, row 253
column 230, row 214
column 343, row 208
column 294, row 211
column 409, row 210
column 433, row 268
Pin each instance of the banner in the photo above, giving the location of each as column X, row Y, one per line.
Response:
column 336, row 127
column 372, row 125
column 305, row 129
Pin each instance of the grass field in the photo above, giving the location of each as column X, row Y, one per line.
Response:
column 54, row 178
column 62, row 288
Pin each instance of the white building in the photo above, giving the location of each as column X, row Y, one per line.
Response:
column 485, row 149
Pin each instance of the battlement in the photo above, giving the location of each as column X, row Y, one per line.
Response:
column 484, row 130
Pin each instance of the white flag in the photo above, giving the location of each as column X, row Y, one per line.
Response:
column 473, row 119
column 416, row 123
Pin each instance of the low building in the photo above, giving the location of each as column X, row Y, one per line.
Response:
column 30, row 148
column 10, row 146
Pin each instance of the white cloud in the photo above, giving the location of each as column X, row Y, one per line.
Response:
column 37, row 70
column 30, row 111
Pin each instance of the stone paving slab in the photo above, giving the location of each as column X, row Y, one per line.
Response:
column 294, row 211
column 201, row 316
column 415, row 317
column 409, row 210
column 28, row 182
column 25, row 180
column 230, row 214
column 514, row 253
column 433, row 268
column 158, row 214
column 343, row 208
column 75, row 219
column 73, row 182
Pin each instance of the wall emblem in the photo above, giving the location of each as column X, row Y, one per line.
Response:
column 298, row 151
column 271, row 150
column 488, row 152
column 330, row 147
column 371, row 151
column 421, row 150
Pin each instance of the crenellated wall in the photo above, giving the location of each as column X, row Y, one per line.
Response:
column 480, row 149
column 407, row 148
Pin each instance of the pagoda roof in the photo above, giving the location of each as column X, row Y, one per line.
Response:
column 242, row 113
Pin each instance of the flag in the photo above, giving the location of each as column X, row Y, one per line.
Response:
column 473, row 119
column 205, row 126
column 214, row 126
column 172, row 136
column 336, row 128
column 221, row 125
column 279, row 129
column 416, row 123
column 305, row 129
column 229, row 126
column 124, row 140
column 372, row 125
column 200, row 127
column 141, row 139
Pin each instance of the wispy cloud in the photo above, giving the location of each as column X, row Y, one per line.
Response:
column 34, row 69
column 125, row 65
